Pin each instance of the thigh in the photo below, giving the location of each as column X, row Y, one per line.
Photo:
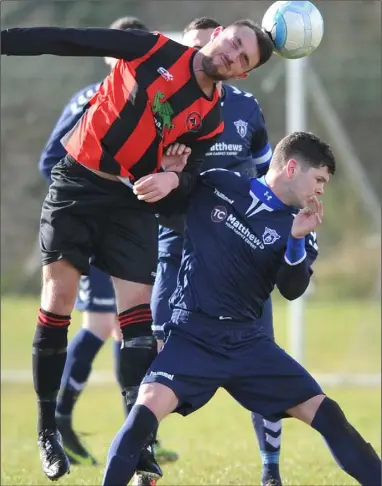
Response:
column 269, row 381
column 96, row 292
column 128, row 248
column 265, row 322
column 164, row 286
column 71, row 216
column 189, row 371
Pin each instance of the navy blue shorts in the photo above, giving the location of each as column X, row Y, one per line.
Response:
column 202, row 354
column 165, row 284
column 96, row 292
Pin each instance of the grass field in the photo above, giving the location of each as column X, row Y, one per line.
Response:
column 216, row 444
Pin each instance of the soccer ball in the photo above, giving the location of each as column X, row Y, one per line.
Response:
column 296, row 28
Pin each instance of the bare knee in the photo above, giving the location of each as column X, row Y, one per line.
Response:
column 101, row 324
column 160, row 399
column 59, row 287
column 130, row 294
column 307, row 410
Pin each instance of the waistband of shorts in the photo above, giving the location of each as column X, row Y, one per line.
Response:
column 116, row 187
column 180, row 316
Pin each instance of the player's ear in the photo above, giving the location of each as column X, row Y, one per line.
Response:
column 291, row 168
column 216, row 32
column 242, row 76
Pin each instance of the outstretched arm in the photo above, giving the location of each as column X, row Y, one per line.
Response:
column 88, row 42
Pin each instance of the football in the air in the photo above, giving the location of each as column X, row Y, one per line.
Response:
column 296, row 28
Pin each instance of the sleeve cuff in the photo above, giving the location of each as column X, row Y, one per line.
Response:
column 295, row 252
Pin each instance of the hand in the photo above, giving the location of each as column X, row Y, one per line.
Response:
column 176, row 157
column 308, row 219
column 153, row 187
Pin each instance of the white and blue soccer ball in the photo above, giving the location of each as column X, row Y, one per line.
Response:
column 296, row 28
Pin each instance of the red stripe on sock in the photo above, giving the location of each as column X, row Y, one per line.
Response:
column 145, row 315
column 52, row 320
column 124, row 324
column 135, row 316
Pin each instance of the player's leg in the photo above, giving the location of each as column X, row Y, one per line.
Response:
column 96, row 301
column 350, row 450
column 71, row 217
column 128, row 252
column 268, row 432
column 164, row 286
column 275, row 385
column 179, row 378
column 154, row 402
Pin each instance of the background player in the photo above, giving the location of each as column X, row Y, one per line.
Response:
column 241, row 231
column 141, row 107
column 242, row 147
column 96, row 297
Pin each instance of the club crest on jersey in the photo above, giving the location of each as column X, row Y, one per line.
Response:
column 162, row 113
column 241, row 127
column 194, row 122
column 270, row 236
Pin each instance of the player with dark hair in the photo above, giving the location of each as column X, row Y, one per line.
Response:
column 242, row 147
column 242, row 237
column 159, row 93
column 96, row 298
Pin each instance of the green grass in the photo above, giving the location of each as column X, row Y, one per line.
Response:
column 216, row 444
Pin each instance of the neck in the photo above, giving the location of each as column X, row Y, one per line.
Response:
column 275, row 182
column 206, row 83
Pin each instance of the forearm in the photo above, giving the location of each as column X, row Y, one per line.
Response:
column 294, row 275
column 177, row 201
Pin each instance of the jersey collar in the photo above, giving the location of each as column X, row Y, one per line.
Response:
column 260, row 188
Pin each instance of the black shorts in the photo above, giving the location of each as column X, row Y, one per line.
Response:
column 87, row 219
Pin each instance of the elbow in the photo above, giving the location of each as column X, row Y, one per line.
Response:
column 293, row 292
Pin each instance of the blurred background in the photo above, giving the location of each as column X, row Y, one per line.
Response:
column 342, row 105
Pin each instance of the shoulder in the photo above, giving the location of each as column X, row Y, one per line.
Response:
column 234, row 94
column 79, row 99
column 223, row 176
column 244, row 100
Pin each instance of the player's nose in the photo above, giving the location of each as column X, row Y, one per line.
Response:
column 232, row 56
column 320, row 191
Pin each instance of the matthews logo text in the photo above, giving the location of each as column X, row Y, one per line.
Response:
column 244, row 232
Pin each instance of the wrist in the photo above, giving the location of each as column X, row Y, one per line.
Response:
column 295, row 251
column 174, row 179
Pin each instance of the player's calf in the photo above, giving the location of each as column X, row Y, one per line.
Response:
column 130, row 450
column 50, row 341
column 354, row 455
column 126, row 449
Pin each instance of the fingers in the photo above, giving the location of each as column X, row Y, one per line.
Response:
column 143, row 185
column 156, row 186
column 321, row 210
column 178, row 149
column 151, row 196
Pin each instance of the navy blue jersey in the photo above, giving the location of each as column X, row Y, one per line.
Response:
column 235, row 240
column 54, row 151
column 242, row 147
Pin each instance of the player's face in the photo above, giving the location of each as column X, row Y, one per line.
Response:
column 232, row 53
column 307, row 183
column 197, row 38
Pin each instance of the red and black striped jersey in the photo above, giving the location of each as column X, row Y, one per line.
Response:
column 150, row 100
